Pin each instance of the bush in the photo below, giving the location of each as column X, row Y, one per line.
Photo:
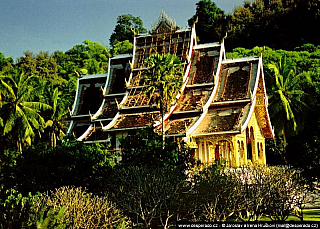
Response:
column 15, row 209
column 150, row 196
column 276, row 192
column 217, row 196
column 146, row 148
column 75, row 208
column 8, row 176
column 246, row 194
column 42, row 168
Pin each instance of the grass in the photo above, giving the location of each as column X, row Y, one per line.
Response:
column 308, row 215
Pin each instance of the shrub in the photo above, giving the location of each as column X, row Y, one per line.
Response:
column 75, row 208
column 15, row 209
column 150, row 196
column 71, row 163
column 247, row 193
column 146, row 148
column 276, row 192
column 217, row 196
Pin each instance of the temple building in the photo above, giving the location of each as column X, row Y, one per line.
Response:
column 221, row 112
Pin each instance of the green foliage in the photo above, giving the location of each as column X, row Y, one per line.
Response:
column 20, row 110
column 163, row 80
column 123, row 30
column 287, row 97
column 6, row 63
column 163, row 76
column 42, row 65
column 8, row 159
column 71, row 162
column 276, row 151
column 146, row 148
column 75, row 208
column 51, row 219
column 121, row 47
column 56, row 128
column 210, row 24
column 274, row 23
column 15, row 209
column 303, row 149
column 87, row 58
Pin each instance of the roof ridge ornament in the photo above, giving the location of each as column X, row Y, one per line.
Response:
column 262, row 51
column 195, row 22
column 164, row 24
column 225, row 37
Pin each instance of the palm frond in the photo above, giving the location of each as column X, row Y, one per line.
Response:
column 26, row 127
column 8, row 90
column 39, row 106
column 10, row 122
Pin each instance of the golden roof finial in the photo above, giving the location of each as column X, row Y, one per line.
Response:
column 262, row 51
column 103, row 91
column 117, row 102
column 90, row 116
column 195, row 22
column 132, row 30
column 225, row 37
column 70, row 113
column 131, row 65
column 101, row 125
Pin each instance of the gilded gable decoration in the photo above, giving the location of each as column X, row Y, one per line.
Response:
column 164, row 24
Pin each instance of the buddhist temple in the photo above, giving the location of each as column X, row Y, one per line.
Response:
column 221, row 112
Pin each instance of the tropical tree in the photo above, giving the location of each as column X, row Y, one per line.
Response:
column 145, row 149
column 20, row 110
column 55, row 125
column 127, row 25
column 6, row 63
column 210, row 21
column 97, row 58
column 121, row 47
column 280, row 24
column 163, row 79
column 42, row 65
column 87, row 58
column 287, row 97
column 4, row 87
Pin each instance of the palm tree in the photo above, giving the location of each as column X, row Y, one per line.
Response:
column 5, row 63
column 55, row 124
column 287, row 96
column 20, row 111
column 163, row 79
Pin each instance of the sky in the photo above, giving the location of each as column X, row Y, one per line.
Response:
column 51, row 25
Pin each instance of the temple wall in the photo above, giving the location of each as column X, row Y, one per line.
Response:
column 252, row 135
column 235, row 149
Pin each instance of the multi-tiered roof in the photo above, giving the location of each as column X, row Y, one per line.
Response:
column 218, row 95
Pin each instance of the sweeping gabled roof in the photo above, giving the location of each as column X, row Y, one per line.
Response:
column 218, row 95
